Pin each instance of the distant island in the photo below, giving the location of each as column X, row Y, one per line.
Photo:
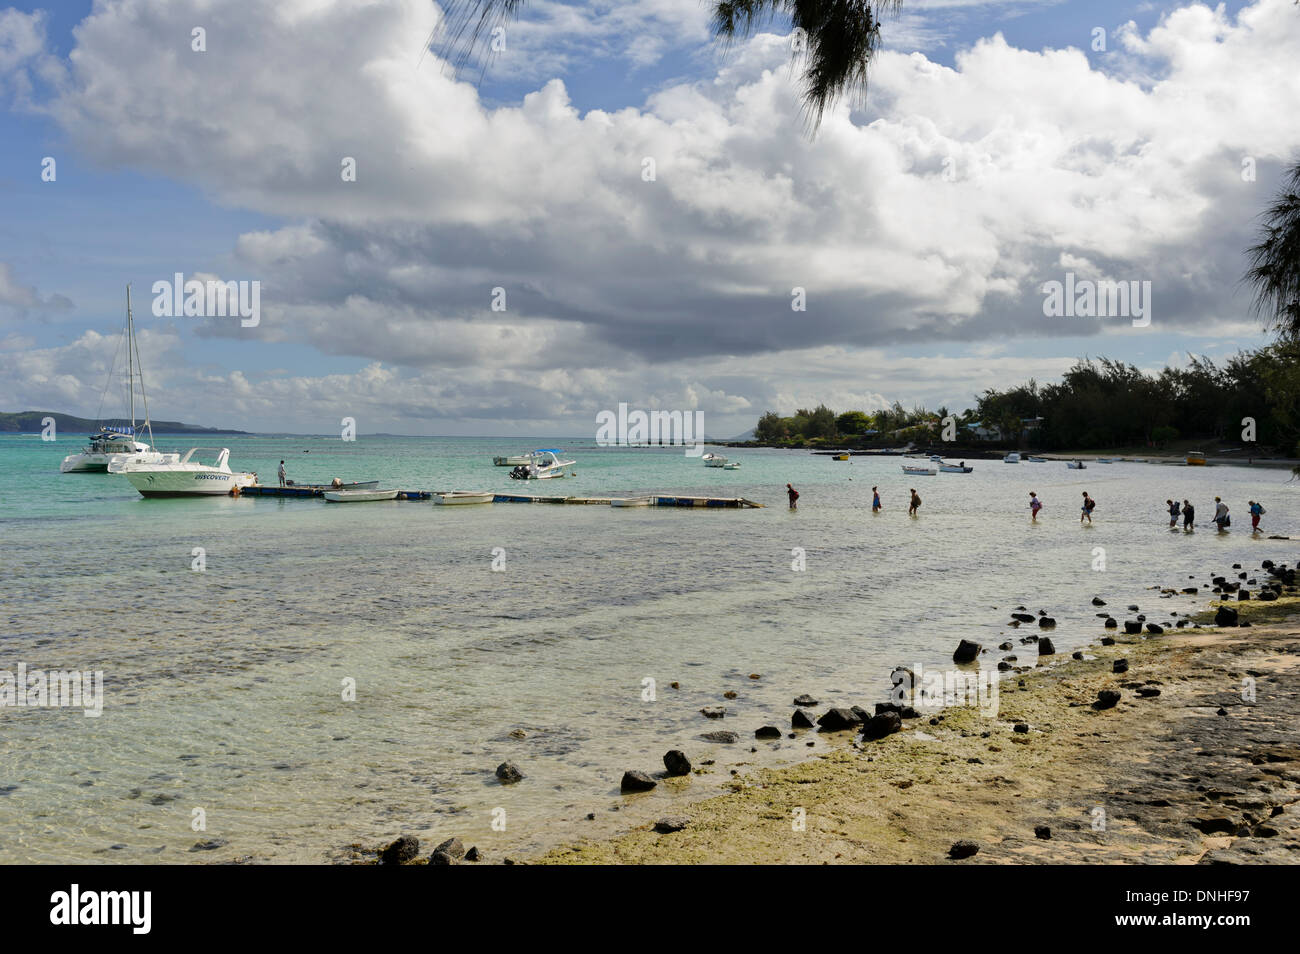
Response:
column 30, row 422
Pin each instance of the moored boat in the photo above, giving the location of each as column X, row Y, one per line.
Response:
column 961, row 468
column 185, row 477
column 1012, row 458
column 840, row 457
column 542, row 464
column 513, row 460
column 1037, row 460
column 631, row 501
column 359, row 496
column 464, row 497
column 920, row 471
column 1195, row 459
column 1075, row 465
column 714, row 460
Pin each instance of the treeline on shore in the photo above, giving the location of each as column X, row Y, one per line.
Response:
column 1099, row 404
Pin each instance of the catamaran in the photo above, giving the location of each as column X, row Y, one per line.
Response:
column 116, row 443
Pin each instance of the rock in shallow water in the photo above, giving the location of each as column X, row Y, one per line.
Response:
column 670, row 824
column 637, row 782
column 676, row 762
column 509, row 773
column 403, row 849
column 966, row 651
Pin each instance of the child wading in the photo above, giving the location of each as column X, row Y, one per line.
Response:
column 875, row 500
column 1256, row 511
column 1088, row 506
column 916, row 502
column 1035, row 505
column 793, row 495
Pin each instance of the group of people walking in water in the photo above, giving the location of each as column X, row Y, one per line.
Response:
column 1222, row 519
column 1183, row 509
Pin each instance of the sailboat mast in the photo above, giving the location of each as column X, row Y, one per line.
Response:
column 130, row 345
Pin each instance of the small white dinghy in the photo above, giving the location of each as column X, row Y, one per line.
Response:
column 920, row 471
column 630, row 501
column 464, row 497
column 359, row 496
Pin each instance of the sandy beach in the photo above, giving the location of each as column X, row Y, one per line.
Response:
column 1198, row 774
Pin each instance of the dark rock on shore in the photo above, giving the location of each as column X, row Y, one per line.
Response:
column 1226, row 616
column 1106, row 699
column 676, row 762
column 509, row 773
column 1023, row 617
column 636, row 782
column 1098, row 601
column 1132, row 626
column 1043, row 832
column 670, row 824
column 886, row 723
column 805, row 700
column 453, row 847
column 839, row 719
column 1045, row 647
column 1112, row 623
column 1119, row 665
column 722, row 736
column 1108, row 640
column 963, row 849
column 1155, row 629
column 406, row 848
column 967, row 651
column 767, row 732
column 1046, row 622
column 802, row 720
column 441, row 858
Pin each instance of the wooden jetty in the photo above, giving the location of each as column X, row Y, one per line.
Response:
column 654, row 500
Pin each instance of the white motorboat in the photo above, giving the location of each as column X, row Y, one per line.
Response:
column 464, row 497
column 1012, row 458
column 731, row 465
column 542, row 464
column 359, row 496
column 714, row 460
column 1075, row 465
column 920, row 471
column 118, row 442
column 187, row 477
column 962, row 468
column 631, row 501
column 1037, row 460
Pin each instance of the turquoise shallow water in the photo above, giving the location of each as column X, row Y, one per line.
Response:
column 223, row 687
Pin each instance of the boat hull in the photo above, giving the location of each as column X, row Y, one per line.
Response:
column 463, row 498
column 187, row 483
column 920, row 471
column 85, row 464
column 359, row 496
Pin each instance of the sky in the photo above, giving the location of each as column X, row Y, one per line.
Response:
column 615, row 208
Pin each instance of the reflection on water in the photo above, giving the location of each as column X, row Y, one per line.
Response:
column 225, row 688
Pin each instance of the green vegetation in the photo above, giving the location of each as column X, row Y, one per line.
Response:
column 1099, row 404
column 29, row 422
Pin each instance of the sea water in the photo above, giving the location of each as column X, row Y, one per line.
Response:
column 285, row 677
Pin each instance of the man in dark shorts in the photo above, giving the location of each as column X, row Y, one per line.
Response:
column 1189, row 515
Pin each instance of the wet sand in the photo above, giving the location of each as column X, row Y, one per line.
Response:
column 1198, row 774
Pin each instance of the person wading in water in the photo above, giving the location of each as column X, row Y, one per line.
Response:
column 916, row 502
column 793, row 495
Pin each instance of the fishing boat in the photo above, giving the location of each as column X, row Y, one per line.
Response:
column 920, row 471
column 1037, row 460
column 543, row 464
column 464, row 497
column 840, row 457
column 116, row 443
column 1012, row 458
column 961, row 468
column 1195, row 459
column 359, row 496
column 631, row 501
column 714, row 460
column 188, row 477
column 1075, row 465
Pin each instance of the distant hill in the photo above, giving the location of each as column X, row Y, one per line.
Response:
column 29, row 422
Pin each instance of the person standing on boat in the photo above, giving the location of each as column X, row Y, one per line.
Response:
column 1035, row 505
column 793, row 495
column 1221, row 517
column 875, row 500
column 916, row 503
column 1189, row 516
column 281, row 473
column 1173, row 512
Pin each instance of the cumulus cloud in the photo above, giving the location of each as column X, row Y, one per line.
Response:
column 18, row 299
column 930, row 217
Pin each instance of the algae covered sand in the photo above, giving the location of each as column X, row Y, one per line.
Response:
column 1206, row 771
